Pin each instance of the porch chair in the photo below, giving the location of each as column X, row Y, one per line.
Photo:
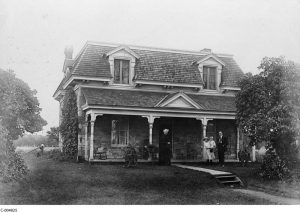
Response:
column 100, row 153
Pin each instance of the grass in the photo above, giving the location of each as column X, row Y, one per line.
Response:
column 54, row 182
column 289, row 188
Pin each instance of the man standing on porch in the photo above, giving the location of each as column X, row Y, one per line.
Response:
column 222, row 147
column 165, row 148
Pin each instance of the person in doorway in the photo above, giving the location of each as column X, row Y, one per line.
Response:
column 222, row 147
column 165, row 149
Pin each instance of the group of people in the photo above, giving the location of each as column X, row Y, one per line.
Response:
column 210, row 145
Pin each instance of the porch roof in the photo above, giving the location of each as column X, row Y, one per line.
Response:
column 148, row 99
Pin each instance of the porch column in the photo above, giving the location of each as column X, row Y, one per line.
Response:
column 86, row 141
column 93, row 119
column 204, row 121
column 237, row 142
column 151, row 119
column 92, row 140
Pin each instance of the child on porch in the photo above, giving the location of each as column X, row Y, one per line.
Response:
column 209, row 145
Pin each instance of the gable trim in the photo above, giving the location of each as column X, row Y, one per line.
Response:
column 161, row 103
column 211, row 56
column 127, row 49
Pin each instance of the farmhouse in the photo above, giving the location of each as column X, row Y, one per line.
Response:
column 128, row 94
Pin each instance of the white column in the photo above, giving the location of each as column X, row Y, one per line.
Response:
column 86, row 141
column 204, row 121
column 253, row 154
column 93, row 119
column 92, row 141
column 237, row 142
column 151, row 119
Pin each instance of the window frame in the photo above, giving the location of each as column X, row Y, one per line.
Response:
column 126, row 120
column 120, row 71
column 208, row 77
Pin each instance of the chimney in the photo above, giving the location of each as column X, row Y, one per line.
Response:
column 206, row 51
column 69, row 52
column 68, row 60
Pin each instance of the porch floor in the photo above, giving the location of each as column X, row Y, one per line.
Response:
column 121, row 160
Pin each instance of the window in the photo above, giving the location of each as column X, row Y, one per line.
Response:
column 119, row 132
column 209, row 77
column 121, row 72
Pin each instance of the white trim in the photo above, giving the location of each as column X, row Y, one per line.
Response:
column 181, row 51
column 176, row 96
column 211, row 56
column 67, row 83
column 158, row 110
column 230, row 88
column 160, row 114
column 125, row 48
column 132, row 88
column 167, row 84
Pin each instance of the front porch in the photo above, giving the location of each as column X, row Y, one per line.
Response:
column 112, row 132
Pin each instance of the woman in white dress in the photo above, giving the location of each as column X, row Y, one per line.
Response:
column 209, row 145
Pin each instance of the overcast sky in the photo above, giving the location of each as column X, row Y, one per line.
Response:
column 33, row 33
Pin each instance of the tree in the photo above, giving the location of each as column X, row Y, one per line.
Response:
column 53, row 134
column 19, row 113
column 69, row 124
column 266, row 105
column 19, row 107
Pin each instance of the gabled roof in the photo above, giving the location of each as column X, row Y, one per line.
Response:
column 123, row 48
column 153, row 65
column 216, row 58
column 148, row 99
column 180, row 99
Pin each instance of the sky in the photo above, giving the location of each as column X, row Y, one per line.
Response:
column 34, row 33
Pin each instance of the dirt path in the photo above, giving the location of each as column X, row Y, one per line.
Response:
column 269, row 197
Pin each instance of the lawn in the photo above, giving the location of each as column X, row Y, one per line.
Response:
column 290, row 188
column 54, row 182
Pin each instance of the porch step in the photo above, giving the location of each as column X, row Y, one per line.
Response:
column 229, row 180
column 224, row 178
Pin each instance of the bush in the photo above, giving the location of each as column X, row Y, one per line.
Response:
column 273, row 167
column 12, row 166
column 57, row 155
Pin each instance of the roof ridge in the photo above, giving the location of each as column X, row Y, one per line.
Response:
column 159, row 49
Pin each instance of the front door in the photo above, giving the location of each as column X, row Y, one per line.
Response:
column 165, row 144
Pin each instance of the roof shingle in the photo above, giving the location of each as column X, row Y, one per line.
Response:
column 147, row 99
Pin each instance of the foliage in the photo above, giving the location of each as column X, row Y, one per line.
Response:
column 19, row 113
column 266, row 105
column 69, row 125
column 273, row 167
column 12, row 166
column 53, row 134
column 19, row 107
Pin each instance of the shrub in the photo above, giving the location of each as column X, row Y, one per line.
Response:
column 273, row 167
column 12, row 166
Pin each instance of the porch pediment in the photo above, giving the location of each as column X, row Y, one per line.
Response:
column 178, row 100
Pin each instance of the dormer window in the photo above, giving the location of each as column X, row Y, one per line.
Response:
column 209, row 77
column 121, row 71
